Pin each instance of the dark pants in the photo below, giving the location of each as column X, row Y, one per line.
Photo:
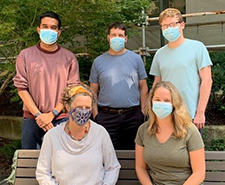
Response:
column 122, row 128
column 32, row 134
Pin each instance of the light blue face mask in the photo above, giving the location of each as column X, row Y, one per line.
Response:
column 48, row 36
column 117, row 43
column 171, row 34
column 162, row 109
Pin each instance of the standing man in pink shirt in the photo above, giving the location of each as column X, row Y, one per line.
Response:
column 43, row 71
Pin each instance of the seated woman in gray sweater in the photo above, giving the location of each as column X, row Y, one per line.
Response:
column 79, row 151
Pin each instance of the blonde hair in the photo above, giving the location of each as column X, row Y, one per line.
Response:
column 72, row 90
column 170, row 12
column 180, row 116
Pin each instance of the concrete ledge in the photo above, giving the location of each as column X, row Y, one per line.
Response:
column 213, row 132
column 10, row 127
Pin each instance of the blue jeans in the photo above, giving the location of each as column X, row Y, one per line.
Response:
column 32, row 134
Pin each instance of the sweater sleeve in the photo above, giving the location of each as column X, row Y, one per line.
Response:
column 73, row 76
column 43, row 171
column 111, row 164
column 20, row 79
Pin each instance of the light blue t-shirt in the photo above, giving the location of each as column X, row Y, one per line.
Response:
column 118, row 78
column 181, row 67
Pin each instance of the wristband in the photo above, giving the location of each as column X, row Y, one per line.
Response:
column 55, row 112
column 37, row 114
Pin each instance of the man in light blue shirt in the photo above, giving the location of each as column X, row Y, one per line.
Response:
column 185, row 63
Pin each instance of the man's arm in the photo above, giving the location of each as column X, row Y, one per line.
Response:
column 29, row 102
column 205, row 89
column 94, row 89
column 156, row 80
column 143, row 88
column 45, row 119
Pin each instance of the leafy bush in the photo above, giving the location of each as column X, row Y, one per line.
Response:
column 216, row 145
column 9, row 149
column 218, row 74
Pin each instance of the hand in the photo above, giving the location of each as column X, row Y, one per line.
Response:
column 44, row 119
column 143, row 111
column 94, row 115
column 48, row 127
column 199, row 120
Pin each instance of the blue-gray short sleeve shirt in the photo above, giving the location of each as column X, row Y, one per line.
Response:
column 118, row 78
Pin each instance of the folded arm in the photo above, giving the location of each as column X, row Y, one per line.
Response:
column 197, row 159
column 141, row 166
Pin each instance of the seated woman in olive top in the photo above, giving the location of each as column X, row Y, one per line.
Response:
column 169, row 144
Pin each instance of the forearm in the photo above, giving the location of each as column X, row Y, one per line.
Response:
column 205, row 90
column 204, row 94
column 143, row 176
column 143, row 94
column 58, row 107
column 95, row 110
column 44, row 170
column 156, row 80
column 143, row 99
column 197, row 161
column 94, row 89
column 45, row 119
column 28, row 101
column 44, row 179
column 195, row 179
column 111, row 175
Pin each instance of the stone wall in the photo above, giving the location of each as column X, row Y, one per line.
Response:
column 10, row 127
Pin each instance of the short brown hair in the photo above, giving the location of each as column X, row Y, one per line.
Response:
column 119, row 26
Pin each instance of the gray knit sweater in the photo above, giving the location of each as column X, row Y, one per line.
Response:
column 64, row 161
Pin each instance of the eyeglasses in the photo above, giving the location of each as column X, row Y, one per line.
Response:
column 171, row 25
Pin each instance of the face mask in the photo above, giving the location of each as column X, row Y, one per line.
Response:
column 162, row 109
column 80, row 116
column 171, row 34
column 48, row 36
column 117, row 43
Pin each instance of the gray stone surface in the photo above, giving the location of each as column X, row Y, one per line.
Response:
column 10, row 127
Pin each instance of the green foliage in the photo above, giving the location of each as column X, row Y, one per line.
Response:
column 9, row 149
column 216, row 145
column 89, row 19
column 218, row 87
column 84, row 25
column 84, row 67
column 148, row 64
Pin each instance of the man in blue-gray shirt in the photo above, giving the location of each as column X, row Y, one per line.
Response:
column 118, row 79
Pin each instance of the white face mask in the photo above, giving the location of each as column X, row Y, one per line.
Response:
column 117, row 43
